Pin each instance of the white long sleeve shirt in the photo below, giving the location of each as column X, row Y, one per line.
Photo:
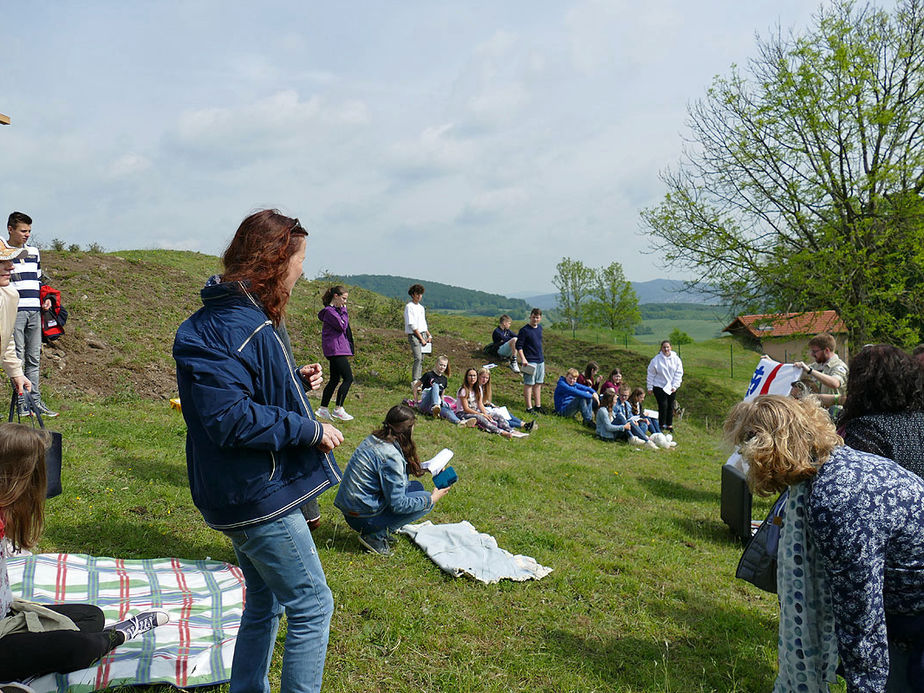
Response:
column 415, row 318
column 665, row 372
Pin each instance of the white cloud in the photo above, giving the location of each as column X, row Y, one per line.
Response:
column 128, row 165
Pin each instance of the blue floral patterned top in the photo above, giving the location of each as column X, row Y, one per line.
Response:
column 866, row 514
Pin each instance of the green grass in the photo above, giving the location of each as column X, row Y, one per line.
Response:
column 642, row 595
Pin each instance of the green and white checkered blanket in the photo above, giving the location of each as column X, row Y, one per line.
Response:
column 204, row 599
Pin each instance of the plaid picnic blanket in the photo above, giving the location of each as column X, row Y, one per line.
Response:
column 204, row 599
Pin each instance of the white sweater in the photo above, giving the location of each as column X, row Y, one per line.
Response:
column 9, row 304
column 665, row 372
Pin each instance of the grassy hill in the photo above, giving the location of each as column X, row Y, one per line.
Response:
column 642, row 596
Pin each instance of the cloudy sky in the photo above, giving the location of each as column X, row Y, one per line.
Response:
column 475, row 143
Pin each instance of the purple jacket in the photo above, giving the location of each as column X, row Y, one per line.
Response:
column 334, row 324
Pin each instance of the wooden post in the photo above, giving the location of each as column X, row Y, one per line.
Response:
column 4, row 119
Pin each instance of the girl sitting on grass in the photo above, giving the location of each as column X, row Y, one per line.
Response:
column 606, row 429
column 376, row 495
column 623, row 414
column 434, row 384
column 612, row 382
column 483, row 396
column 72, row 636
column 636, row 410
column 468, row 400
column 590, row 376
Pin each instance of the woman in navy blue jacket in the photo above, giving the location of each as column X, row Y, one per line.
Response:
column 254, row 451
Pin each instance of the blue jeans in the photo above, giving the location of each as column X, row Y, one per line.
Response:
column 27, row 334
column 282, row 571
column 431, row 396
column 579, row 404
column 387, row 520
column 653, row 426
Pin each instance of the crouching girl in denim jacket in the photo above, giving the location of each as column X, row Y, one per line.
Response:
column 376, row 496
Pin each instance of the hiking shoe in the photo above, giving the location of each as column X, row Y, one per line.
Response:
column 322, row 413
column 541, row 410
column 530, row 426
column 43, row 410
column 377, row 545
column 142, row 623
column 514, row 367
column 435, row 410
column 340, row 413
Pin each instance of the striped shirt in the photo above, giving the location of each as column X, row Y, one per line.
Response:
column 27, row 279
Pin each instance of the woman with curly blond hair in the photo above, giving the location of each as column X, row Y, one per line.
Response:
column 851, row 552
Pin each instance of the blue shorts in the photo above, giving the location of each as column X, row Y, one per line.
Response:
column 505, row 349
column 536, row 378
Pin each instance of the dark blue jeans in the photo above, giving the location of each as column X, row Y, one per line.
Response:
column 387, row 520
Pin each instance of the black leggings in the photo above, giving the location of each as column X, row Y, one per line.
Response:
column 58, row 651
column 339, row 369
column 665, row 407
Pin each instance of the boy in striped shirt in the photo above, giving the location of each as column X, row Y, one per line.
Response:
column 27, row 280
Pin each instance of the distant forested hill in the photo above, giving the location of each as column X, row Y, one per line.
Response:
column 441, row 296
column 684, row 311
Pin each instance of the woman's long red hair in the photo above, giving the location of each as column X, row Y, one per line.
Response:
column 259, row 254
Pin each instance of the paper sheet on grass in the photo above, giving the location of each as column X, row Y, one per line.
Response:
column 460, row 549
column 204, row 599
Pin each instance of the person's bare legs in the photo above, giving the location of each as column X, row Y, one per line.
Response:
column 537, row 394
column 528, row 396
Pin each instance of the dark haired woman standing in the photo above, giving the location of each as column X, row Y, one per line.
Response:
column 337, row 344
column 376, row 495
column 255, row 452
column 884, row 410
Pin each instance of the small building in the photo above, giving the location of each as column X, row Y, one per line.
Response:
column 785, row 336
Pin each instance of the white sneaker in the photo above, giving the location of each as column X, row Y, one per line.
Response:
column 514, row 367
column 637, row 442
column 322, row 413
column 340, row 413
column 650, row 444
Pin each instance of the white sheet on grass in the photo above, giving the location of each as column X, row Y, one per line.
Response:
column 460, row 549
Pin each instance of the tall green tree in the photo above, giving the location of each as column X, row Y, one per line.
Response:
column 801, row 187
column 613, row 302
column 574, row 282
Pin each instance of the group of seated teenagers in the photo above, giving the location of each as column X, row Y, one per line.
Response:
column 620, row 412
column 472, row 404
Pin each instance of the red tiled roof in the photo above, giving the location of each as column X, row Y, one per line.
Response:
column 784, row 324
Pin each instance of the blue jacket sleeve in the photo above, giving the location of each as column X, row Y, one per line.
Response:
column 221, row 388
column 604, row 422
column 393, row 476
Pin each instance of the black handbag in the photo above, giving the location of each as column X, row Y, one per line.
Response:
column 52, row 454
column 758, row 562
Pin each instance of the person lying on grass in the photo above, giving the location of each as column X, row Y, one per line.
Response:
column 467, row 397
column 483, row 397
column 59, row 638
column 376, row 495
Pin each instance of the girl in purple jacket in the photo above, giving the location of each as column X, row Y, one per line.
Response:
column 337, row 343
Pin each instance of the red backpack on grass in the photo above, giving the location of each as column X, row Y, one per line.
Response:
column 53, row 318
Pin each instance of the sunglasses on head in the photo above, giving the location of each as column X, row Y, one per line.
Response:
column 297, row 228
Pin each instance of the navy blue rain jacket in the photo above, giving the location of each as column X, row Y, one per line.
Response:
column 251, row 433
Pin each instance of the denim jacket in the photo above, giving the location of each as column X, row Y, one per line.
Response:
column 376, row 480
